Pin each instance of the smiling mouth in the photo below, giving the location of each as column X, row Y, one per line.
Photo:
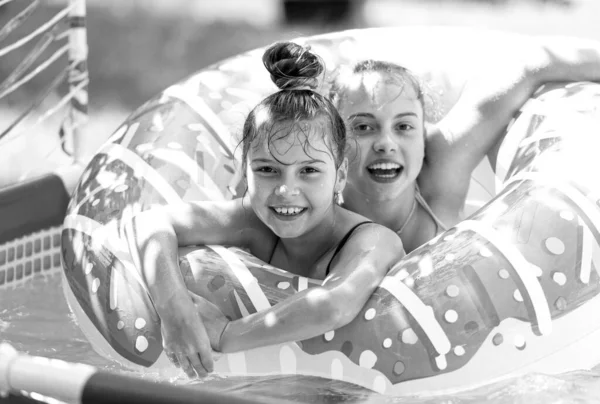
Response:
column 288, row 211
column 385, row 171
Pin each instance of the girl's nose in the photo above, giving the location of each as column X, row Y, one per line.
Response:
column 385, row 143
column 284, row 190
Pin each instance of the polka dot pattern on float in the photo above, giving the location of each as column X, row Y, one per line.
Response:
column 555, row 245
column 283, row 285
column 451, row 316
column 485, row 252
column 367, row 359
column 497, row 339
column 399, row 368
column 95, row 285
column 370, row 314
column 139, row 323
column 459, row 350
column 141, row 343
column 561, row 303
column 519, row 342
column 409, row 337
column 471, row 327
column 560, row 278
column 452, row 291
column 387, row 343
column 329, row 336
column 517, row 296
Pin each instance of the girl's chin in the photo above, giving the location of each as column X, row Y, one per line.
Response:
column 381, row 191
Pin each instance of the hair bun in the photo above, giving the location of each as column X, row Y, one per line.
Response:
column 292, row 66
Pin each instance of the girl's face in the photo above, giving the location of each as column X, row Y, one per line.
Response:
column 291, row 183
column 386, row 132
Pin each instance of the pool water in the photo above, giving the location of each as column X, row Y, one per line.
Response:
column 35, row 319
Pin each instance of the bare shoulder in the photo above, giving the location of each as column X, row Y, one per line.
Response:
column 377, row 241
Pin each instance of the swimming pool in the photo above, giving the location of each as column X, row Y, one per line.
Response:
column 35, row 319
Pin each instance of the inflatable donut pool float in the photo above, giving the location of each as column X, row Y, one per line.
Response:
column 512, row 289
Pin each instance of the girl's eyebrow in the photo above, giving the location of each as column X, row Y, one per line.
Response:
column 261, row 160
column 371, row 116
column 266, row 160
column 403, row 114
column 361, row 115
column 312, row 161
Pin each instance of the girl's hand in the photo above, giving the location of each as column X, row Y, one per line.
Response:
column 185, row 340
column 213, row 318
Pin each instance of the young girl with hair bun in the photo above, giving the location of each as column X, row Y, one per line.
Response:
column 293, row 155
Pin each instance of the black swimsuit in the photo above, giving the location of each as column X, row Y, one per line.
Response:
column 337, row 250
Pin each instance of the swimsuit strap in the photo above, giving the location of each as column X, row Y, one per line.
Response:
column 342, row 243
column 273, row 252
column 439, row 224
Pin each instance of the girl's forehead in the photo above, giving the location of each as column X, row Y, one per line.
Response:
column 377, row 88
column 289, row 143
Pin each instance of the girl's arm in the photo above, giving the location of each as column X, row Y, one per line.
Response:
column 356, row 273
column 154, row 237
column 506, row 79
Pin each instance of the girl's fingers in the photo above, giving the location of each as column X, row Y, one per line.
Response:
column 186, row 366
column 196, row 363
column 173, row 358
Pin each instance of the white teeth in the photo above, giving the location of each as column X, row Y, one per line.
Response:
column 384, row 166
column 288, row 211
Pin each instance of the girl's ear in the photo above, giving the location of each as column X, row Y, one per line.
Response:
column 342, row 176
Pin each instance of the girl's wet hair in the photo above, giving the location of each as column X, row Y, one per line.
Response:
column 296, row 72
column 397, row 74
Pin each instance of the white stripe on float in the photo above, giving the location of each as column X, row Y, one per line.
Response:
column 586, row 254
column 419, row 311
column 550, row 134
column 590, row 254
column 143, row 170
column 87, row 198
column 126, row 132
column 129, row 134
column 532, row 286
column 247, row 280
column 199, row 106
column 243, row 309
column 191, row 168
column 596, row 256
column 302, row 283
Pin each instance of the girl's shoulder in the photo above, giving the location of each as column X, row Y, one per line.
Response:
column 363, row 233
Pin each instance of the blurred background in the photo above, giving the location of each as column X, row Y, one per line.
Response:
column 139, row 47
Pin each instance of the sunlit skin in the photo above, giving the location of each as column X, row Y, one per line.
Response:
column 291, row 183
column 386, row 147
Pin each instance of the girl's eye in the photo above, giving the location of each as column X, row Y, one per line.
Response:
column 309, row 170
column 404, row 126
column 264, row 169
column 362, row 127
